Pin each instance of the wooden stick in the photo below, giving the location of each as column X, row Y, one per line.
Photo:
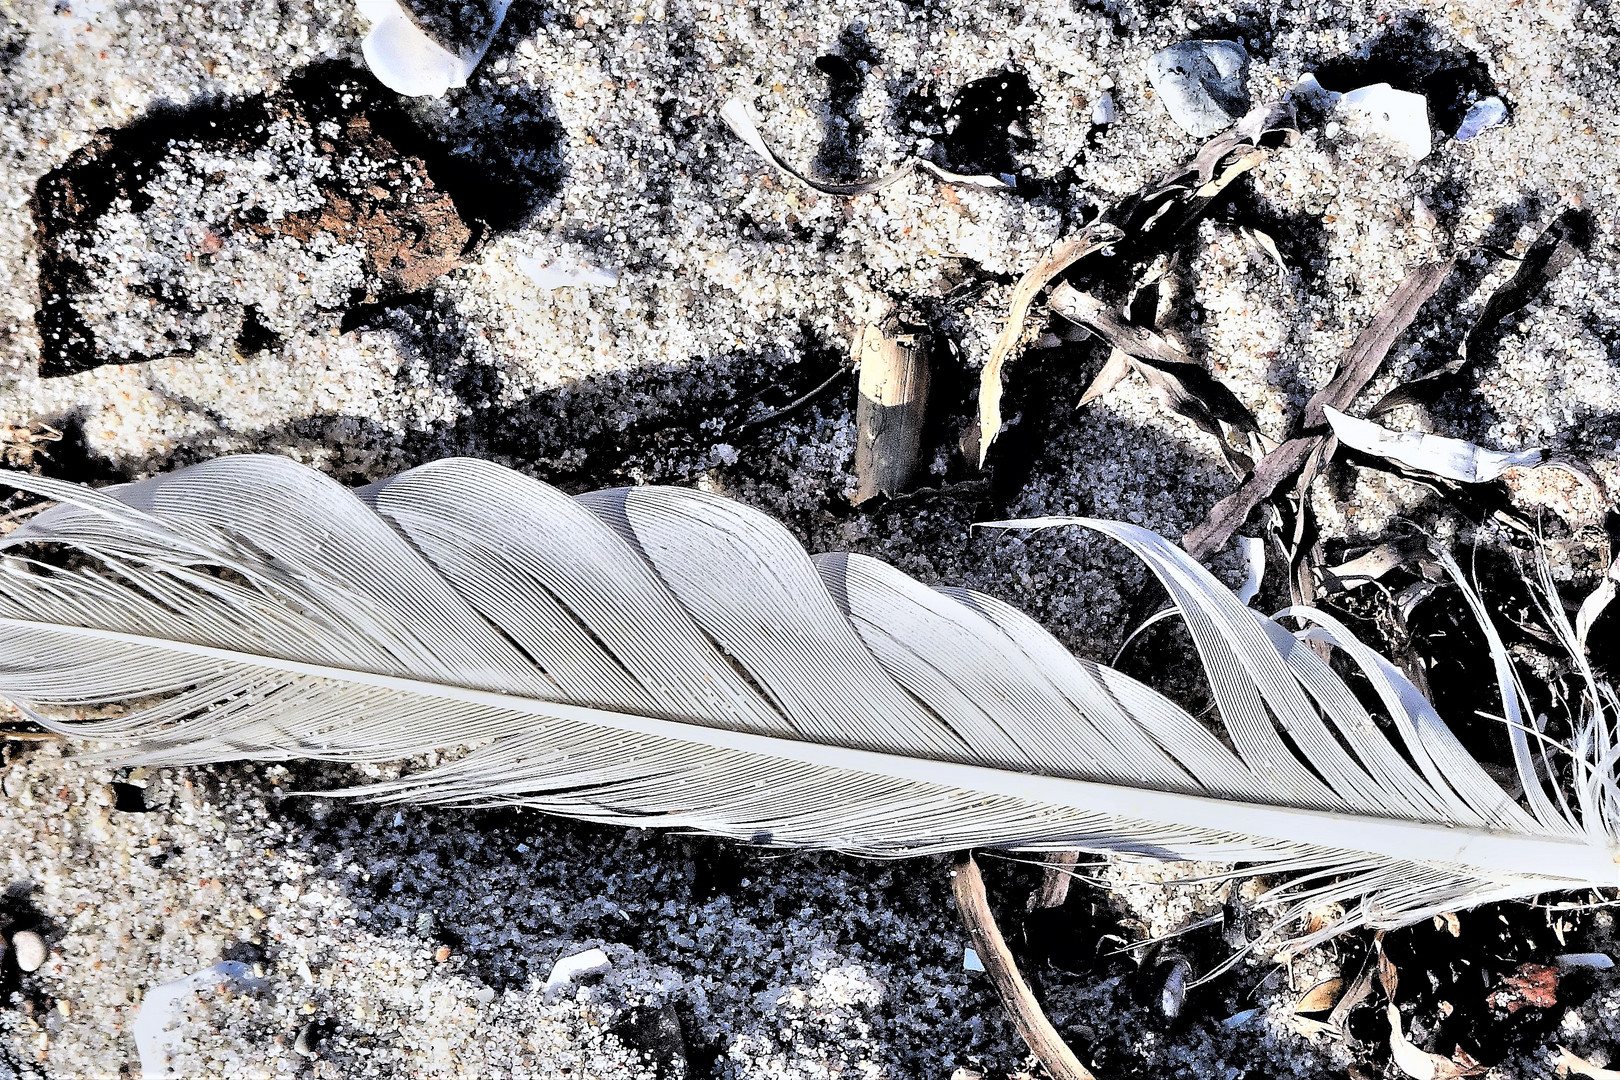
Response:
column 1016, row 996
column 889, row 415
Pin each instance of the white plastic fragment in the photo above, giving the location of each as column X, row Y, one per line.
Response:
column 1484, row 114
column 566, row 273
column 163, row 1012
column 408, row 61
column 570, row 969
column 971, row 961
column 1454, row 459
column 1238, row 1019
column 1397, row 118
column 1104, row 112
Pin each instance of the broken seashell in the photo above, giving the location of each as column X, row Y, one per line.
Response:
column 408, row 60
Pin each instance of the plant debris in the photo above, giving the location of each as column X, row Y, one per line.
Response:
column 1451, row 459
column 1301, row 456
column 1044, row 1042
column 890, row 410
column 1530, row 985
column 740, row 120
column 1573, row 1062
column 1184, row 385
column 1565, row 239
column 1133, row 230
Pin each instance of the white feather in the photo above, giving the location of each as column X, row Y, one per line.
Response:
column 669, row 658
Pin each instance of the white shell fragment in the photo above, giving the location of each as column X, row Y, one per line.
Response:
column 1104, row 112
column 409, row 61
column 1454, row 459
column 971, row 961
column 1483, row 115
column 163, row 1012
column 566, row 273
column 570, row 969
column 1397, row 118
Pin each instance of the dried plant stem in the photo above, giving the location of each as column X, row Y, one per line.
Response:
column 891, row 411
column 1037, row 1031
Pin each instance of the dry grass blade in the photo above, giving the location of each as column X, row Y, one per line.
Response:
column 1182, row 383
column 1301, row 455
column 1596, row 602
column 1572, row 1062
column 736, row 115
column 1057, row 259
column 1146, row 223
column 967, row 884
column 1559, row 245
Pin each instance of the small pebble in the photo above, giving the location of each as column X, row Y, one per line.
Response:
column 1103, row 112
column 1484, row 114
column 30, row 949
column 1398, row 118
column 441, row 954
column 971, row 961
column 1203, row 84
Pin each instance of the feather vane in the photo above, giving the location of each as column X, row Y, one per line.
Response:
column 665, row 657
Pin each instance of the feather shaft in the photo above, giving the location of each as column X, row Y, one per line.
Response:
column 1497, row 856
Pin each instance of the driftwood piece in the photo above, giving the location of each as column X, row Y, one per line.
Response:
column 1016, row 997
column 891, row 410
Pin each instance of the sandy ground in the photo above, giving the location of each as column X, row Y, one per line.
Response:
column 422, row 941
